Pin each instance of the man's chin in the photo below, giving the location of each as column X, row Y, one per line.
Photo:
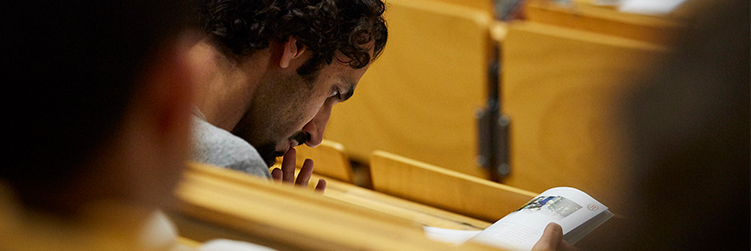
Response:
column 269, row 153
column 270, row 161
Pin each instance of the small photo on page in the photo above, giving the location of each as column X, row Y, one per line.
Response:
column 556, row 207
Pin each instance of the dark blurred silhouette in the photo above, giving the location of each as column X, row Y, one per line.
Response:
column 688, row 129
column 71, row 70
column 98, row 99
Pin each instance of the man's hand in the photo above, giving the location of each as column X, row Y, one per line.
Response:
column 287, row 173
column 552, row 240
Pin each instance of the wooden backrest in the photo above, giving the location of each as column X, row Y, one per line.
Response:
column 419, row 213
column 605, row 20
column 562, row 89
column 442, row 188
column 329, row 160
column 220, row 203
column 586, row 16
column 419, row 98
column 423, row 214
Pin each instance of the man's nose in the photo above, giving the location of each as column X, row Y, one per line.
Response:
column 317, row 125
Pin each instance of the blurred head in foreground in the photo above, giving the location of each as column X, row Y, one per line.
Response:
column 689, row 132
column 99, row 100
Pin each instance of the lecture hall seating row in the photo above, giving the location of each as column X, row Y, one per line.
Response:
column 561, row 83
column 414, row 181
column 221, row 203
column 561, row 86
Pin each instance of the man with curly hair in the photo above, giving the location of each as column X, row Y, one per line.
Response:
column 276, row 69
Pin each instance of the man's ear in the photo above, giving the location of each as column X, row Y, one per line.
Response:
column 292, row 50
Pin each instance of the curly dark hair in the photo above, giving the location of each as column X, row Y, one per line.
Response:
column 240, row 27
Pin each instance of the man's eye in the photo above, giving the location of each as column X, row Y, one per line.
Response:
column 337, row 94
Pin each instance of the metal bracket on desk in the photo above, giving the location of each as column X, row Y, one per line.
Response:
column 493, row 127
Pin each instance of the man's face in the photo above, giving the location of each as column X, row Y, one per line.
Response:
column 288, row 110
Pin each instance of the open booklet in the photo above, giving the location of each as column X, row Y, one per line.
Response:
column 576, row 212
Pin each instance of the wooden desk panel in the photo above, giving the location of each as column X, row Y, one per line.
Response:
column 291, row 219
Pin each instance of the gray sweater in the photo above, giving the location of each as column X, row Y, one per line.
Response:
column 218, row 147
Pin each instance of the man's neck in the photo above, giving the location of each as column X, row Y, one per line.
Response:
column 225, row 87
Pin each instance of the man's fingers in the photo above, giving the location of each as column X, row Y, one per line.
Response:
column 276, row 174
column 287, row 173
column 551, row 238
column 321, row 186
column 288, row 166
column 305, row 172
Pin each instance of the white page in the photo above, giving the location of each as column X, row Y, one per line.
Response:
column 230, row 245
column 450, row 236
column 650, row 7
column 521, row 229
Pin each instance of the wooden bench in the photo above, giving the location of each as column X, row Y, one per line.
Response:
column 221, row 203
column 445, row 189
